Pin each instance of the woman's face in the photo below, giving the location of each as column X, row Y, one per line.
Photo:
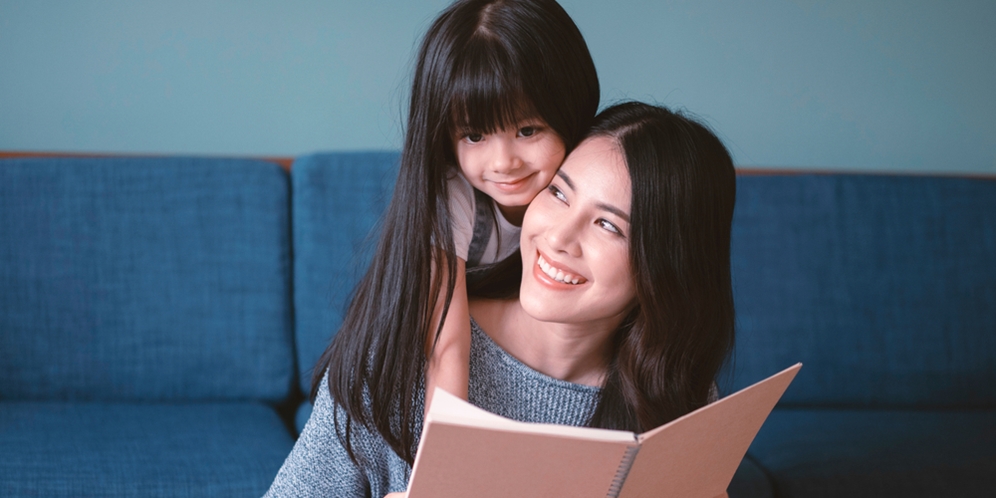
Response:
column 575, row 245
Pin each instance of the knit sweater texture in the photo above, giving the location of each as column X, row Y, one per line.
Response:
column 319, row 465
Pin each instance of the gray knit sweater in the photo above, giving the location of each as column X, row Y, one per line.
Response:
column 318, row 466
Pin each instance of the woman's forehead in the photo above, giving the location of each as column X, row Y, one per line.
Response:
column 596, row 169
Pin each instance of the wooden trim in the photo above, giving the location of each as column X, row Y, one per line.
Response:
column 823, row 172
column 283, row 162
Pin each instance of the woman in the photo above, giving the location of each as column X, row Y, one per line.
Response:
column 625, row 308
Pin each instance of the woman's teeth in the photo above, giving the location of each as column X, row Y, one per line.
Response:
column 558, row 275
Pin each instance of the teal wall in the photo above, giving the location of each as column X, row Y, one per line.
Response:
column 891, row 85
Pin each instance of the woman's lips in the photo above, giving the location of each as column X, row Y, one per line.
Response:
column 556, row 273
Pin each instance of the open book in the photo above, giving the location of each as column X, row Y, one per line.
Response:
column 468, row 452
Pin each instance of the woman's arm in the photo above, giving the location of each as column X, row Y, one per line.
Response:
column 319, row 465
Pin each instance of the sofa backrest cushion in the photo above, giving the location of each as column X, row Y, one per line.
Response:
column 144, row 279
column 883, row 286
column 338, row 201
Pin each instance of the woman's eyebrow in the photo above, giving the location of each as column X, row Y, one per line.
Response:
column 604, row 207
column 614, row 210
column 566, row 179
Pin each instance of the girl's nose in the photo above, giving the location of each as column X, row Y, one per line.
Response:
column 504, row 159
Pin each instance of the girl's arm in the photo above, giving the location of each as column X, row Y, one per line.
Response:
column 448, row 365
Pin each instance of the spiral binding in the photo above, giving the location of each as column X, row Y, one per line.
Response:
column 622, row 471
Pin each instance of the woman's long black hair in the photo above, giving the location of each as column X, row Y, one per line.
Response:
column 484, row 65
column 670, row 349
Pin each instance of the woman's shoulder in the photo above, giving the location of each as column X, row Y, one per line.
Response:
column 320, row 465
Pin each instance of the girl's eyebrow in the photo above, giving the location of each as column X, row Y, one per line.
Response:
column 605, row 207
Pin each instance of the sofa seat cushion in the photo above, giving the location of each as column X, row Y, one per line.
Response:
column 859, row 453
column 93, row 449
column 750, row 481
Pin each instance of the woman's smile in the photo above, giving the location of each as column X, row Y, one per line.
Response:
column 557, row 272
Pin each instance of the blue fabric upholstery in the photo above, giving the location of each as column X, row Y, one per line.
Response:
column 875, row 453
column 883, row 286
column 337, row 203
column 108, row 449
column 146, row 326
column 144, row 279
column 750, row 481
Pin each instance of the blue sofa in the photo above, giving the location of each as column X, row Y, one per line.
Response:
column 159, row 319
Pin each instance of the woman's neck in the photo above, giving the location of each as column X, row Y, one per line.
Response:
column 576, row 353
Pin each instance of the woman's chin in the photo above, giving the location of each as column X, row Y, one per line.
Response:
column 539, row 309
column 549, row 305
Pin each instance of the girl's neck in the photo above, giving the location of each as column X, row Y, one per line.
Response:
column 513, row 214
column 576, row 353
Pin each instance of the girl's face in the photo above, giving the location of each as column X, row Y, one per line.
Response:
column 511, row 165
column 575, row 246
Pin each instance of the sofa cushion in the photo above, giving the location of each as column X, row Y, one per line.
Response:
column 883, row 286
column 872, row 453
column 750, row 481
column 144, row 279
column 95, row 449
column 338, row 200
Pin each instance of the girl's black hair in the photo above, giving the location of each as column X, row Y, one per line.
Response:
column 483, row 66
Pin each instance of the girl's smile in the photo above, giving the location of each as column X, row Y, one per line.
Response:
column 512, row 186
column 511, row 165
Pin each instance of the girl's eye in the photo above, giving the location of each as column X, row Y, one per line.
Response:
column 609, row 226
column 528, row 131
column 473, row 137
column 556, row 192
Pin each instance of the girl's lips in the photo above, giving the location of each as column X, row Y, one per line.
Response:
column 513, row 185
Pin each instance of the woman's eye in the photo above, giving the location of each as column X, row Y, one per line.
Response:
column 557, row 193
column 528, row 131
column 473, row 137
column 609, row 226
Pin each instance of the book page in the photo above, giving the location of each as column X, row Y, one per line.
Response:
column 695, row 456
column 466, row 453
column 451, row 409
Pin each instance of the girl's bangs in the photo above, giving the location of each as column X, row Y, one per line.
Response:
column 485, row 98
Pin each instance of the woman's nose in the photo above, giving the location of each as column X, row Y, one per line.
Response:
column 563, row 235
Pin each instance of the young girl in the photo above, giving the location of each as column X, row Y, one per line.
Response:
column 502, row 90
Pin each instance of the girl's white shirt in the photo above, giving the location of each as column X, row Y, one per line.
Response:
column 463, row 209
